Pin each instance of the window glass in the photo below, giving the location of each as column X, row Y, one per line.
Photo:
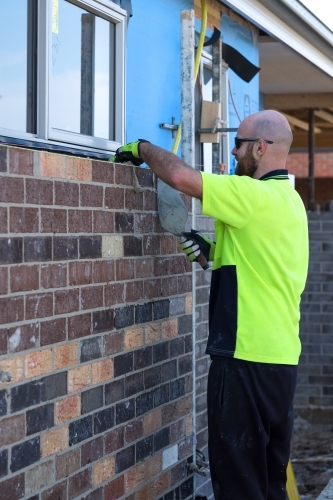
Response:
column 82, row 72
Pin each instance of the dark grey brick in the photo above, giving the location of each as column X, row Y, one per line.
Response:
column 39, row 419
column 54, row 386
column 169, row 370
column 123, row 364
column 186, row 488
column 25, row 454
column 125, row 459
column 80, row 430
column 3, row 403
column 91, row 399
column 177, row 347
column 124, row 223
column 114, row 391
column 124, row 317
column 38, row 249
column 11, row 250
column 160, row 352
column 90, row 247
column 161, row 309
column 125, row 411
column 91, row 349
column 134, row 384
column 161, row 395
column 161, row 439
column 185, row 324
column 152, row 377
column 132, row 246
column 104, row 420
column 144, row 448
column 3, row 463
column 65, row 248
column 144, row 403
column 143, row 313
column 177, row 388
column 143, row 358
column 103, row 320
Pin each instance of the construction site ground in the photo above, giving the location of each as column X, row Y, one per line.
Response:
column 312, row 451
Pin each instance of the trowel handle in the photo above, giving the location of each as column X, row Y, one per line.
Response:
column 202, row 261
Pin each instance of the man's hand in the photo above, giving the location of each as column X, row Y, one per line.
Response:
column 193, row 243
column 129, row 152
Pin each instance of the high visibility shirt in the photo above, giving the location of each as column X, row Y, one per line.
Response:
column 259, row 269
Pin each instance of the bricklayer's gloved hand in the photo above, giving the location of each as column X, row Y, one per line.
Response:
column 193, row 243
column 129, row 152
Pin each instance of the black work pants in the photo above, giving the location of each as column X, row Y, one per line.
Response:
column 250, row 420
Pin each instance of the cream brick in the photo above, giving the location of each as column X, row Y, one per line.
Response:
column 11, row 371
column 78, row 169
column 188, row 304
column 133, row 338
column 52, row 165
column 170, row 328
column 65, row 355
column 38, row 363
column 103, row 470
column 80, row 377
column 112, row 247
column 67, row 409
column 54, row 441
column 152, row 333
column 102, row 371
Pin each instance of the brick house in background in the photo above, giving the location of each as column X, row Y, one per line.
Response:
column 103, row 321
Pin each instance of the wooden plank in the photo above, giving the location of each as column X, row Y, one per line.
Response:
column 324, row 115
column 298, row 101
column 300, row 123
column 209, row 112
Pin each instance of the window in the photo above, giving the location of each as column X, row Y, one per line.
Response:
column 62, row 72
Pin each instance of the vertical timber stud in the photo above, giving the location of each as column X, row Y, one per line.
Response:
column 217, row 95
column 311, row 185
column 188, row 155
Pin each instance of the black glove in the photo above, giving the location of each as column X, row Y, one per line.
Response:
column 129, row 152
column 193, row 243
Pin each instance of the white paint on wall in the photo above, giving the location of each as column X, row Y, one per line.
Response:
column 170, row 456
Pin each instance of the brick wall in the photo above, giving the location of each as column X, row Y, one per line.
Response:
column 95, row 335
column 315, row 385
column 298, row 164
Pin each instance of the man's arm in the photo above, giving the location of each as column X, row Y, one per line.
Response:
column 172, row 170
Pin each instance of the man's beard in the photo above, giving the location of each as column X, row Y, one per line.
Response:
column 247, row 165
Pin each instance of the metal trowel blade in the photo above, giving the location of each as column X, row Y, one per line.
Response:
column 171, row 209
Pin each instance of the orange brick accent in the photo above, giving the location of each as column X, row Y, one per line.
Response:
column 134, row 477
column 78, row 378
column 161, row 484
column 79, row 169
column 188, row 425
column 152, row 421
column 152, row 333
column 103, row 470
column 54, row 441
column 102, row 371
column 133, row 338
column 298, row 164
column 13, row 367
column 153, row 466
column 65, row 355
column 52, row 165
column 147, row 493
column 38, row 363
column 170, row 328
column 188, row 304
column 67, row 408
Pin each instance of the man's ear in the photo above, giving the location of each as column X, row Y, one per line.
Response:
column 259, row 148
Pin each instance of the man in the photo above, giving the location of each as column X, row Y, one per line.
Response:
column 260, row 261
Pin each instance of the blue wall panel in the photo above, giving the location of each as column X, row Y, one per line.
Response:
column 153, row 69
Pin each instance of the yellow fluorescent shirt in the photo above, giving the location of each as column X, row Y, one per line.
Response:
column 259, row 269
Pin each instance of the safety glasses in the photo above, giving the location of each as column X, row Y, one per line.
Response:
column 239, row 140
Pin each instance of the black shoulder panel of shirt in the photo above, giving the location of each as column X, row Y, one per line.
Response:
column 279, row 175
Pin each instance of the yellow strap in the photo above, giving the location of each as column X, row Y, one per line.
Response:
column 292, row 490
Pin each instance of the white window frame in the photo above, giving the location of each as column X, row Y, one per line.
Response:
column 111, row 12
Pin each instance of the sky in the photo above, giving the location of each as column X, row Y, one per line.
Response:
column 323, row 9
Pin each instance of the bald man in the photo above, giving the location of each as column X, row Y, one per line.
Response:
column 260, row 260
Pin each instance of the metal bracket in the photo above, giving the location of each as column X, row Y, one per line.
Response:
column 172, row 127
column 213, row 130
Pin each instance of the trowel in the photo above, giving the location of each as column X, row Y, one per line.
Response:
column 173, row 213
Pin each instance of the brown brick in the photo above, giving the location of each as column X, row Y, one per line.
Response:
column 134, row 430
column 153, row 465
column 170, row 328
column 114, row 198
column 3, row 341
column 24, row 220
column 66, row 194
column 152, row 289
column 146, row 493
column 175, row 410
column 91, row 195
column 169, row 245
column 114, row 294
column 103, row 470
column 184, row 284
column 150, row 201
column 13, row 488
column 188, row 425
column 21, row 161
column 169, row 286
column 66, row 301
column 185, row 448
column 78, row 378
column 13, row 367
column 12, row 429
column 177, row 430
column 92, row 297
column 11, row 310
column 92, row 451
column 54, row 441
column 39, row 192
column 133, row 200
column 152, row 333
column 80, row 273
column 23, row 278
column 115, row 489
column 53, row 275
column 67, row 409
column 102, row 172
column 79, row 221
column 133, row 338
column 151, row 245
column 65, row 355
column 143, row 223
column 103, row 271
column 3, row 280
column 53, row 221
column 134, row 477
column 125, row 269
column 3, row 158
column 39, row 305
column 152, row 421
column 3, row 220
column 23, row 337
column 57, row 492
column 102, row 371
column 52, row 165
column 123, row 175
column 12, row 190
column 79, row 326
column 162, row 483
column 79, row 169
column 134, row 291
column 38, row 363
column 103, row 222
column 113, row 343
column 79, row 483
column 114, row 440
column 144, row 268
column 52, row 331
column 67, row 463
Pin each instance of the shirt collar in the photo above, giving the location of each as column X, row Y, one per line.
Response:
column 280, row 174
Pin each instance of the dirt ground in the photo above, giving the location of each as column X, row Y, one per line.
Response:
column 312, row 451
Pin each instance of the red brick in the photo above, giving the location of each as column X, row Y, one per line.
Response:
column 11, row 310
column 79, row 483
column 80, row 273
column 66, row 301
column 114, row 440
column 52, row 331
column 67, row 463
column 151, row 245
column 53, row 221
column 79, row 221
column 184, row 284
column 91, row 297
column 113, row 343
column 57, row 492
column 91, row 196
column 3, row 220
column 13, row 488
column 103, row 222
column 12, row 429
column 150, row 201
column 143, row 223
column 161, row 484
column 123, row 175
column 39, row 192
column 169, row 286
column 134, row 291
column 134, row 430
column 12, row 190
column 24, row 220
column 115, row 489
column 23, row 337
column 53, row 275
column 133, row 200
column 102, row 172
column 114, row 294
column 79, row 168
column 114, row 198
column 23, row 278
column 79, row 326
column 21, row 161
column 152, row 289
column 66, row 194
column 39, row 305
column 144, row 268
column 103, row 271
column 3, row 280
column 124, row 269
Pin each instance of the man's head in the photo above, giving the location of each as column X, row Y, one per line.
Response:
column 268, row 142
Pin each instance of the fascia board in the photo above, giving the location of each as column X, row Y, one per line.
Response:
column 257, row 13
